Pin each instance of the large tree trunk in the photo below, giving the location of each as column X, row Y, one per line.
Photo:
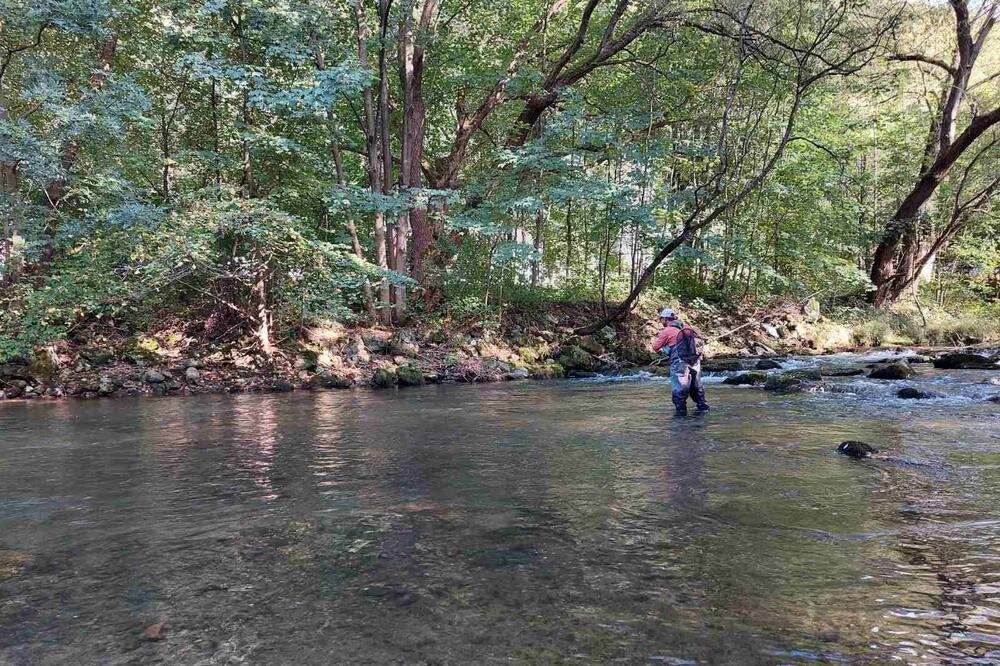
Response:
column 373, row 165
column 411, row 76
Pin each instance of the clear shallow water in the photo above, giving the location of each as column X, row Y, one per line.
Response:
column 562, row 522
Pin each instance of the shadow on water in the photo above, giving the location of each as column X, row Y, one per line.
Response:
column 544, row 522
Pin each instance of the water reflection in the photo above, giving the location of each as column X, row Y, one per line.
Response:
column 527, row 523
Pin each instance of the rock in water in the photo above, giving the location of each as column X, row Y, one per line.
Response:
column 856, row 449
column 721, row 365
column 964, row 361
column 767, row 364
column 910, row 393
column 892, row 371
column 154, row 632
column 841, row 372
column 746, row 378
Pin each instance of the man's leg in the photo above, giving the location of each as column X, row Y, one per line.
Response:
column 680, row 384
column 697, row 390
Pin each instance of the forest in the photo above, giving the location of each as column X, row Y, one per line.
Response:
column 243, row 169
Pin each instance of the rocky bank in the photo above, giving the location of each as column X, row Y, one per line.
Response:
column 534, row 343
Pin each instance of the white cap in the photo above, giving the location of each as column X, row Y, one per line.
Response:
column 668, row 313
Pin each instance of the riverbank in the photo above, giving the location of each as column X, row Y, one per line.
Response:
column 536, row 342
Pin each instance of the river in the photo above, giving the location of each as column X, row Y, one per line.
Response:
column 527, row 522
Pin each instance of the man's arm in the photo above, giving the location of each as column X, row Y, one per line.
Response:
column 661, row 340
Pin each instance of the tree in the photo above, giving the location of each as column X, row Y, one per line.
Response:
column 825, row 41
column 902, row 252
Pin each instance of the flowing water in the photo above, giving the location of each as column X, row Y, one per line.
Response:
column 532, row 522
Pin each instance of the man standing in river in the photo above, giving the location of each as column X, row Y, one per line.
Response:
column 684, row 349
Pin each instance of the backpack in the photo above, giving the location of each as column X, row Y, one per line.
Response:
column 689, row 346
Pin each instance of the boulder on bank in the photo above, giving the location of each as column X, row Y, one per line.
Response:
column 549, row 370
column 910, row 393
column 590, row 344
column 356, row 352
column 751, row 378
column 856, row 449
column 408, row 375
column 384, row 378
column 518, row 374
column 153, row 377
column 97, row 356
column 404, row 342
column 965, row 361
column 327, row 380
column 108, row 385
column 14, row 388
column 893, row 371
column 14, row 371
column 574, row 357
column 44, row 364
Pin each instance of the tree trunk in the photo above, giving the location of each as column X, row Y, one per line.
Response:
column 373, row 164
column 411, row 76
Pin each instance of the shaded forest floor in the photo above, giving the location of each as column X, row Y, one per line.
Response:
column 531, row 342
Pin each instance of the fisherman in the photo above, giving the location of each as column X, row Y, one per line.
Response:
column 683, row 345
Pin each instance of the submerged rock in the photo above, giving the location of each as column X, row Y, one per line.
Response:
column 910, row 393
column 892, row 371
column 965, row 361
column 721, row 365
column 841, row 372
column 856, row 449
column 581, row 374
column 751, row 378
